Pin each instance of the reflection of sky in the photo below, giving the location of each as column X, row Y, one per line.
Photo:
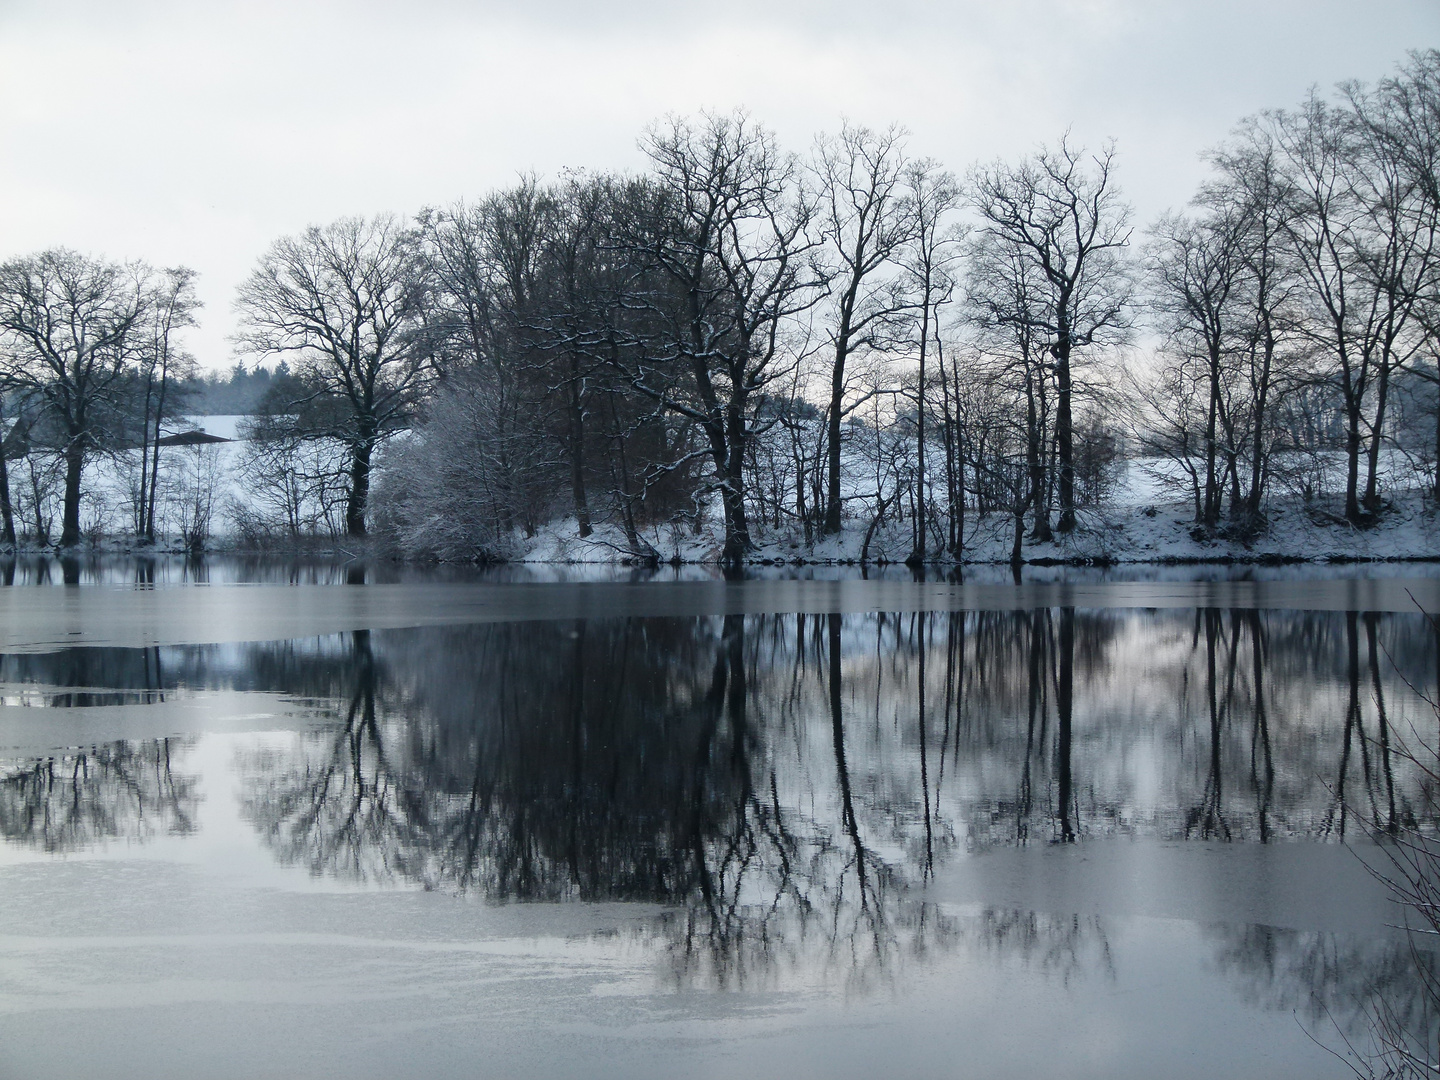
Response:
column 223, row 845
column 194, row 972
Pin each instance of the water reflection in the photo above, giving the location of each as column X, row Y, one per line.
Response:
column 603, row 759
column 84, row 678
column 786, row 784
column 1345, row 990
column 127, row 791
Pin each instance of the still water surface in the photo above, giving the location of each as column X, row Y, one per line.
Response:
column 978, row 836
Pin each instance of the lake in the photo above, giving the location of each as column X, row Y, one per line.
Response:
column 451, row 824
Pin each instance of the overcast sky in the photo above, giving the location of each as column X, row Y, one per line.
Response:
column 196, row 132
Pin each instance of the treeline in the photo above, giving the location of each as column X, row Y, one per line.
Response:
column 241, row 391
column 809, row 344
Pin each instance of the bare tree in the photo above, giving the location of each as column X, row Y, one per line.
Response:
column 865, row 218
column 1404, row 119
column 448, row 492
column 7, row 507
column 726, row 247
column 1003, row 299
column 1061, row 212
column 488, row 262
column 349, row 301
column 1251, row 187
column 171, row 308
column 68, row 336
column 1168, row 413
column 196, row 487
column 1403, row 256
column 1364, row 242
column 576, row 269
column 295, row 487
column 1195, row 267
column 929, row 281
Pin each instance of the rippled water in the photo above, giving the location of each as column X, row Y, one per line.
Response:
column 1101, row 841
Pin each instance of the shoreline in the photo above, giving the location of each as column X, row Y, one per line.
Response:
column 1295, row 533
column 340, row 555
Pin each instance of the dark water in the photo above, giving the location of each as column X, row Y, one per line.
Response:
column 954, row 842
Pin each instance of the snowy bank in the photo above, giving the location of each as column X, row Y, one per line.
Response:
column 1159, row 533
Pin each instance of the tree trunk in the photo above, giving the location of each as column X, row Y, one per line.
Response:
column 798, row 459
column 7, row 513
column 7, row 510
column 957, row 511
column 832, row 447
column 947, row 428
column 70, row 519
column 1437, row 438
column 1352, row 461
column 1212, row 494
column 1372, row 465
column 1257, row 451
column 922, row 541
column 155, row 455
column 737, row 528
column 359, row 495
column 42, row 523
column 1064, row 434
column 140, row 523
column 577, row 454
column 1034, row 457
column 732, row 463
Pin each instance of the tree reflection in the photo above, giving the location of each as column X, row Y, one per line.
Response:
column 1331, row 982
column 1064, row 699
column 790, row 782
column 87, row 677
column 118, row 791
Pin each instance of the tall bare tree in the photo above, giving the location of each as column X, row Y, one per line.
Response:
column 1407, row 106
column 7, row 508
column 162, row 361
column 865, row 218
column 1362, row 252
column 68, row 337
column 1251, row 186
column 1002, row 299
column 1196, row 267
column 1060, row 211
column 348, row 301
column 487, row 260
column 1398, row 159
column 727, row 250
column 929, row 262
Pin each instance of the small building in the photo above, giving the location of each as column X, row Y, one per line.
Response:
column 190, row 438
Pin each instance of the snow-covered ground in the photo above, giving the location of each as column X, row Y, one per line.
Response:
column 1143, row 523
column 226, row 427
column 1120, row 533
